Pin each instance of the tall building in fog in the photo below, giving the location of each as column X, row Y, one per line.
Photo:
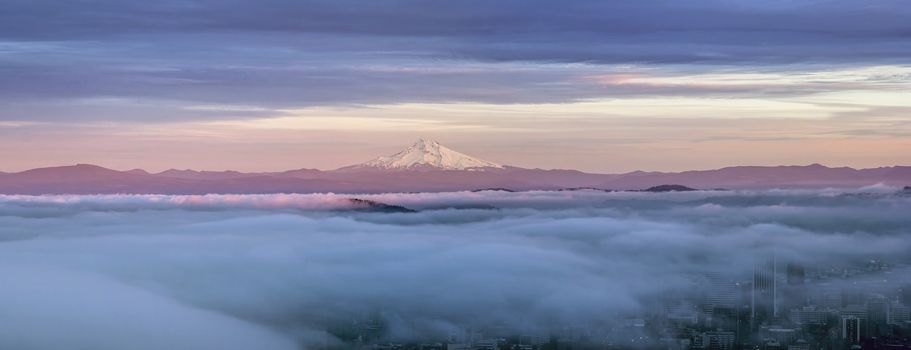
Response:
column 764, row 294
column 721, row 301
column 898, row 313
column 877, row 316
column 794, row 292
column 850, row 329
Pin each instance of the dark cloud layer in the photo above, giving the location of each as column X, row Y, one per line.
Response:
column 278, row 270
column 302, row 53
column 727, row 30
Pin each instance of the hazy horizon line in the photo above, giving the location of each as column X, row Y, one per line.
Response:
column 158, row 171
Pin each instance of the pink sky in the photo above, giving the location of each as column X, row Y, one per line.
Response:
column 666, row 86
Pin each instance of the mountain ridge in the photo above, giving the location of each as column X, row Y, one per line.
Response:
column 427, row 166
column 79, row 179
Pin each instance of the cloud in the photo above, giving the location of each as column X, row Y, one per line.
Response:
column 292, row 269
column 161, row 81
column 279, row 54
column 507, row 30
column 50, row 308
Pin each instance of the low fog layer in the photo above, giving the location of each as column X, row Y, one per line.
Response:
column 278, row 271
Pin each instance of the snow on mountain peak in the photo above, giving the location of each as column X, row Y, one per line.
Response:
column 426, row 153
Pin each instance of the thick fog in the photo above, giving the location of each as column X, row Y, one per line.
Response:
column 283, row 271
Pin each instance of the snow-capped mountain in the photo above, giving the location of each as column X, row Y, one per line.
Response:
column 428, row 154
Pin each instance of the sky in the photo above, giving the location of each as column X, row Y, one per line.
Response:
column 277, row 271
column 600, row 86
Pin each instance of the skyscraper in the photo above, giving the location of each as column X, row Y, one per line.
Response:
column 795, row 292
column 850, row 329
column 764, row 296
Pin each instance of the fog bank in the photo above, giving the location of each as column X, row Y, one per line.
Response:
column 283, row 271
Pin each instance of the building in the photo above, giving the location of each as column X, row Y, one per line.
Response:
column 800, row 344
column 723, row 291
column 850, row 329
column 764, row 295
column 718, row 340
column 795, row 291
column 780, row 335
column 898, row 313
column 877, row 316
column 722, row 301
column 809, row 315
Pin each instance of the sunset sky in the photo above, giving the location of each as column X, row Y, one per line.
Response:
column 600, row 86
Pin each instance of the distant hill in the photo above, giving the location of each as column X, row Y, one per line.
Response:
column 669, row 188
